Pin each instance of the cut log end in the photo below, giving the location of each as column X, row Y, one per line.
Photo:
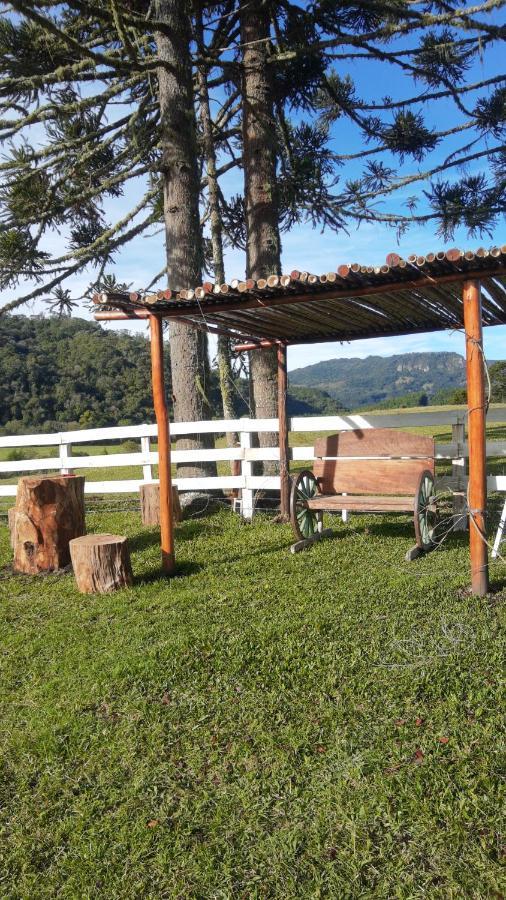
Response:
column 101, row 563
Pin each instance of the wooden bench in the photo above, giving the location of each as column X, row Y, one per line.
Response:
column 371, row 471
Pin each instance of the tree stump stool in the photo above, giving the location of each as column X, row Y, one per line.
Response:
column 49, row 513
column 101, row 563
column 150, row 504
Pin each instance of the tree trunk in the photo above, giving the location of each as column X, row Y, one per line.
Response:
column 49, row 514
column 101, row 563
column 263, row 250
column 150, row 504
column 225, row 373
column 188, row 346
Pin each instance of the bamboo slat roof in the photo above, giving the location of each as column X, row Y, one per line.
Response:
column 404, row 296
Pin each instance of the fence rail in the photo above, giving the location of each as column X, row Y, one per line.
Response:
column 65, row 462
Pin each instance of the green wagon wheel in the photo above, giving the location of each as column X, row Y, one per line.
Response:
column 304, row 521
column 426, row 515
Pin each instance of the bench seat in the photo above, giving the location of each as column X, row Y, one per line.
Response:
column 361, row 503
column 371, row 470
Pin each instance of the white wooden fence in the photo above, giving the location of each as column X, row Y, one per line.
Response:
column 64, row 460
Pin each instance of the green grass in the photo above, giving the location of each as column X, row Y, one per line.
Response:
column 264, row 725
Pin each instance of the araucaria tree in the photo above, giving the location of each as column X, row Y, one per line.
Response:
column 173, row 95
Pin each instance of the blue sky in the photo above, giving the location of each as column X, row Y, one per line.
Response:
column 309, row 249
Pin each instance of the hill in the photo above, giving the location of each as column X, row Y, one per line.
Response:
column 377, row 379
column 68, row 372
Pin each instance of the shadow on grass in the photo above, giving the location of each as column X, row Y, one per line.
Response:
column 184, row 531
column 403, row 530
column 156, row 576
column 7, row 572
column 263, row 551
column 498, row 587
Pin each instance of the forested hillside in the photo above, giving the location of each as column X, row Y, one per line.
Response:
column 376, row 379
column 70, row 372
column 65, row 370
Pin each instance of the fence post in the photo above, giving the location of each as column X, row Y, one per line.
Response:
column 147, row 469
column 459, row 502
column 65, row 455
column 500, row 533
column 246, row 472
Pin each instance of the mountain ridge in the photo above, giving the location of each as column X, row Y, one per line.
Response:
column 355, row 381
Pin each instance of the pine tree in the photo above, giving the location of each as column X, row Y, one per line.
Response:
column 433, row 45
column 497, row 374
column 263, row 245
column 224, row 362
column 295, row 59
column 114, row 100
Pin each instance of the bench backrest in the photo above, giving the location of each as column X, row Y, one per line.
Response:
column 372, row 461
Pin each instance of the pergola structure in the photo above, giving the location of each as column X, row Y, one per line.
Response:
column 456, row 289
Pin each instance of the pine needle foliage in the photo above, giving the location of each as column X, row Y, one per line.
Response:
column 80, row 124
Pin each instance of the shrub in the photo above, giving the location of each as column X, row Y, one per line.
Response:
column 17, row 455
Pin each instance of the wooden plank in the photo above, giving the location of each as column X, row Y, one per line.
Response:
column 362, row 503
column 31, row 440
column 131, row 486
column 114, row 460
column 441, row 451
column 496, row 413
column 376, row 443
column 379, row 476
column 31, row 465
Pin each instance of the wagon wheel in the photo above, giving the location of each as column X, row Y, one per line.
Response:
column 426, row 515
column 304, row 521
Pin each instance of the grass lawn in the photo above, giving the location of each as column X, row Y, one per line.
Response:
column 265, row 725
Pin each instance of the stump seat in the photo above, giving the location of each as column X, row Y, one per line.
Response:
column 101, row 563
column 49, row 513
column 149, row 495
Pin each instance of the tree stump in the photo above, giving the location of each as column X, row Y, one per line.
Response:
column 101, row 563
column 150, row 504
column 49, row 513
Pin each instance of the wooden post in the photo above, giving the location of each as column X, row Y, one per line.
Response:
column 477, row 492
column 284, row 453
column 162, row 422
